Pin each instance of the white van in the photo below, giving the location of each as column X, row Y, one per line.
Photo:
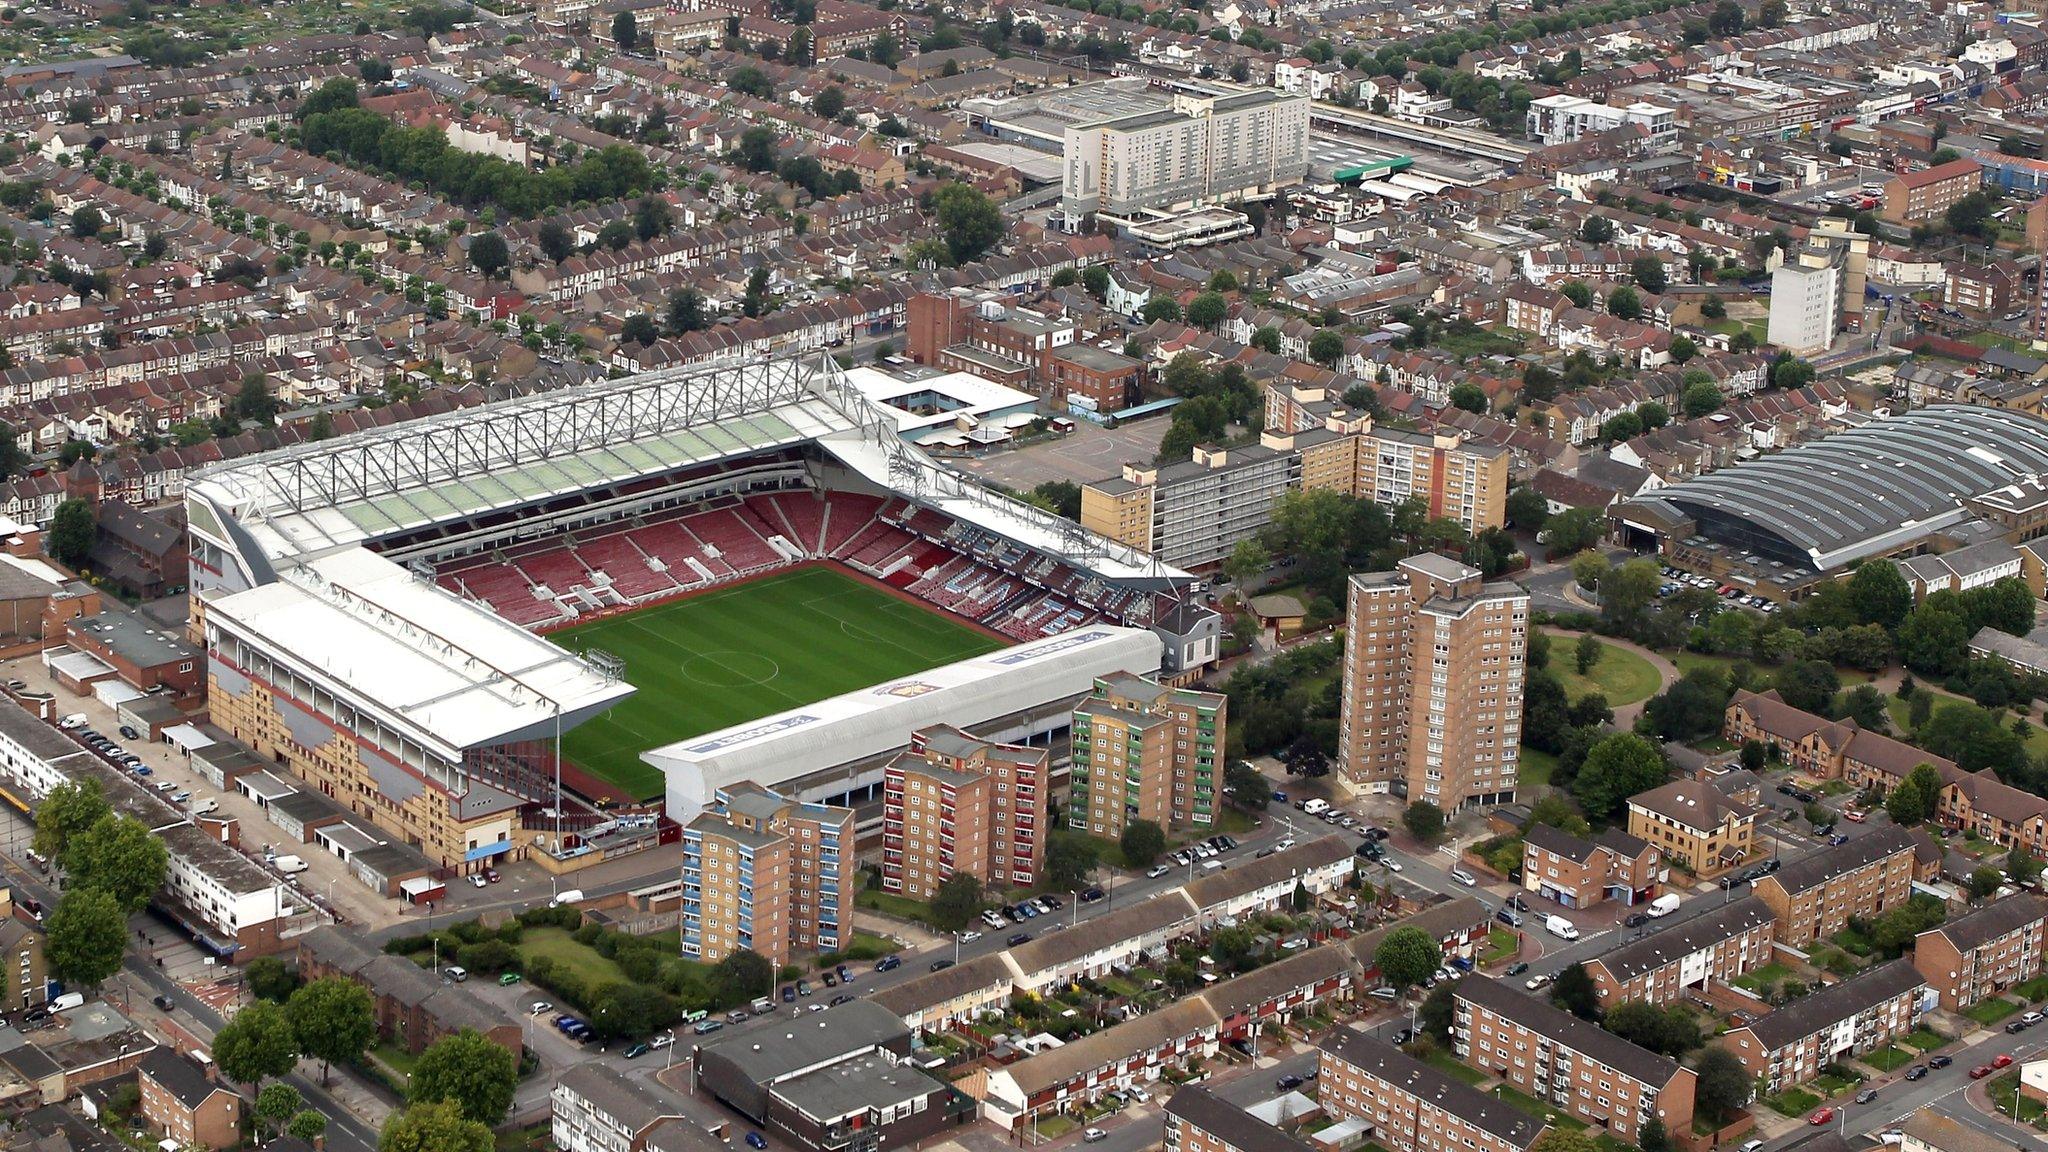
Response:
column 289, row 865
column 1211, row 867
column 72, row 722
column 1315, row 806
column 567, row 896
column 1663, row 905
column 67, row 1002
column 1561, row 928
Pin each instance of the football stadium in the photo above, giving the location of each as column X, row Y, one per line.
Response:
column 540, row 620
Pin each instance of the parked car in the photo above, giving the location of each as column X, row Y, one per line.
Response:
column 941, row 965
column 2032, row 1018
column 1824, row 1116
column 1286, row 1082
column 888, row 963
column 540, row 1006
column 1917, row 1072
column 707, row 1027
column 1940, row 1061
column 476, row 880
column 756, row 1141
column 637, row 1051
column 1981, row 1071
column 1020, row 939
column 508, row 979
column 661, row 1041
column 842, row 998
column 1156, row 871
column 2014, row 1027
column 2003, row 1061
column 1866, row 1096
column 1635, row 920
column 1464, row 877
column 1091, row 895
column 1518, row 967
column 1093, row 1135
column 1536, row 981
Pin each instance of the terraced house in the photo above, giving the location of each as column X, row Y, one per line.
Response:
column 1985, row 952
column 1861, row 1014
column 1573, row 1064
column 1817, row 896
column 1663, row 967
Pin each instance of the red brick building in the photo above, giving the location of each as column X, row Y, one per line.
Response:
column 1985, row 952
column 1579, row 873
column 1664, row 967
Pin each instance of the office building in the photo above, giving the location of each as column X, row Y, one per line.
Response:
column 1204, row 149
column 764, row 873
column 1433, row 683
column 1983, row 953
column 1667, row 967
column 1793, row 1044
column 956, row 803
column 1817, row 896
column 1143, row 751
column 1694, row 825
column 1562, row 119
column 1571, row 1064
column 1410, row 1106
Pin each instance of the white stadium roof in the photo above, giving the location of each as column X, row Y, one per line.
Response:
column 874, row 721
column 447, row 672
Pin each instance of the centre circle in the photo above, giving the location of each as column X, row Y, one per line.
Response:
column 730, row 668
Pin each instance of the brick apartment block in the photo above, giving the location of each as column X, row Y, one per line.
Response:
column 1985, row 952
column 1412, row 1106
column 1664, row 966
column 1578, row 873
column 1572, row 1064
column 1199, row 1121
column 1815, row 897
column 1861, row 1014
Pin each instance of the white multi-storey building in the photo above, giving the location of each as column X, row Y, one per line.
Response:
column 1561, row 119
column 1806, row 305
column 1205, row 149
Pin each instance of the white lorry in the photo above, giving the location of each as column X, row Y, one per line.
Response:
column 1663, row 905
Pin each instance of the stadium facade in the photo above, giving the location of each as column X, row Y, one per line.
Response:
column 372, row 605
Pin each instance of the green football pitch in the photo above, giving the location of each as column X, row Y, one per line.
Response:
column 708, row 662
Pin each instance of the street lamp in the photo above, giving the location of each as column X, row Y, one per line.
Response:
column 671, row 1051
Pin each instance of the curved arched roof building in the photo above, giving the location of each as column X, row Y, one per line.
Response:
column 1864, row 492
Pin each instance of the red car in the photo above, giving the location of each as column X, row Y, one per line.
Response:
column 1981, row 1071
column 1822, row 1116
column 2002, row 1062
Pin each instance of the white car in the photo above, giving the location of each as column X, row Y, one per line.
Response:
column 661, row 1041
column 1464, row 877
column 1093, row 1135
column 969, row 936
column 1535, row 982
column 1392, row 864
column 476, row 880
column 1157, row 870
column 540, row 1006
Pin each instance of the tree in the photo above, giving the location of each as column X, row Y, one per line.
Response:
column 1625, row 303
column 270, row 978
column 1878, row 594
column 1809, row 686
column 308, row 1126
column 257, row 1043
column 1439, row 1012
column 1652, row 1137
column 1723, row 1084
column 686, row 311
column 2023, row 866
column 829, row 103
column 957, row 901
column 1575, row 992
column 1069, row 861
column 625, row 30
column 1586, row 653
column 254, row 401
column 756, row 149
column 1207, row 310
column 121, row 857
column 1596, row 230
column 478, row 1075
column 1702, row 398
column 1469, row 396
column 968, row 220
column 436, row 1127
column 1246, row 787
column 275, row 1107
column 1407, row 957
column 1424, row 821
column 1648, row 271
column 1556, row 1139
column 1683, row 349
column 1754, row 755
column 1618, row 767
column 1095, row 279
column 1627, row 592
column 1326, row 347
column 652, row 217
column 333, row 1019
column 84, row 937
column 1527, row 509
column 639, row 328
column 487, row 253
column 1248, row 561
column 1985, row 882
column 1916, row 798
column 1933, row 641
column 741, row 976
column 86, row 222
column 69, row 809
column 755, row 301
column 1142, row 842
column 1574, row 530
column 1689, row 709
column 72, row 532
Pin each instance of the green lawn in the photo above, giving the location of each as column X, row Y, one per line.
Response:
column 561, row 948
column 1448, row 1063
column 1621, row 675
column 1536, row 768
column 1501, row 944
column 708, row 662
column 2002, row 1092
column 1924, row 1038
column 1889, row 1058
column 1757, row 979
column 1989, row 1012
column 901, row 907
column 1793, row 1102
column 2033, row 991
